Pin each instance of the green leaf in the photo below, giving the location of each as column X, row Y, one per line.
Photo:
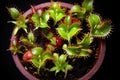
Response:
column 45, row 56
column 84, row 53
column 81, row 14
column 56, row 59
column 43, row 24
column 14, row 42
column 35, row 62
column 52, row 13
column 73, row 50
column 41, row 21
column 60, row 63
column 56, row 13
column 50, row 35
column 45, row 16
column 86, row 41
column 67, row 20
column 46, row 33
column 21, row 20
column 50, row 47
column 36, row 18
column 53, row 68
column 55, row 5
column 102, row 30
column 56, row 56
column 53, row 40
column 37, row 51
column 25, row 41
column 23, row 26
column 67, row 31
column 73, row 30
column 56, row 69
column 21, row 23
column 16, row 30
column 79, row 11
column 40, row 60
column 14, row 22
column 14, row 13
column 75, row 8
column 31, row 36
column 62, row 58
column 88, row 5
column 15, row 50
column 68, row 67
column 94, row 20
column 62, row 30
column 64, row 46
column 76, row 51
column 60, row 14
column 14, row 47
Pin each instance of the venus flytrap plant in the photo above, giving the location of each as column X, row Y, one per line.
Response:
column 67, row 30
column 20, row 24
column 40, row 57
column 81, row 11
column 99, row 28
column 29, row 40
column 86, row 41
column 58, row 35
column 15, row 47
column 82, row 49
column 49, row 35
column 14, row 13
column 40, row 20
column 88, row 5
column 20, row 20
column 60, row 64
column 78, row 11
column 56, row 12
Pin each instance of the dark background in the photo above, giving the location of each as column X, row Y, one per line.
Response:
column 106, row 8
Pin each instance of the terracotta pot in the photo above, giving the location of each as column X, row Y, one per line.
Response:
column 94, row 69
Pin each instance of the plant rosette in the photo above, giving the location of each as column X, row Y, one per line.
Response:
column 58, row 40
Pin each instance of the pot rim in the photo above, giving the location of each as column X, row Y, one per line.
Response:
column 88, row 75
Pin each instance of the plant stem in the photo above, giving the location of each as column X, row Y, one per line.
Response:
column 38, row 70
column 69, row 41
column 65, row 74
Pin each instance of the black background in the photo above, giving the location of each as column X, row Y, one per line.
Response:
column 106, row 8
